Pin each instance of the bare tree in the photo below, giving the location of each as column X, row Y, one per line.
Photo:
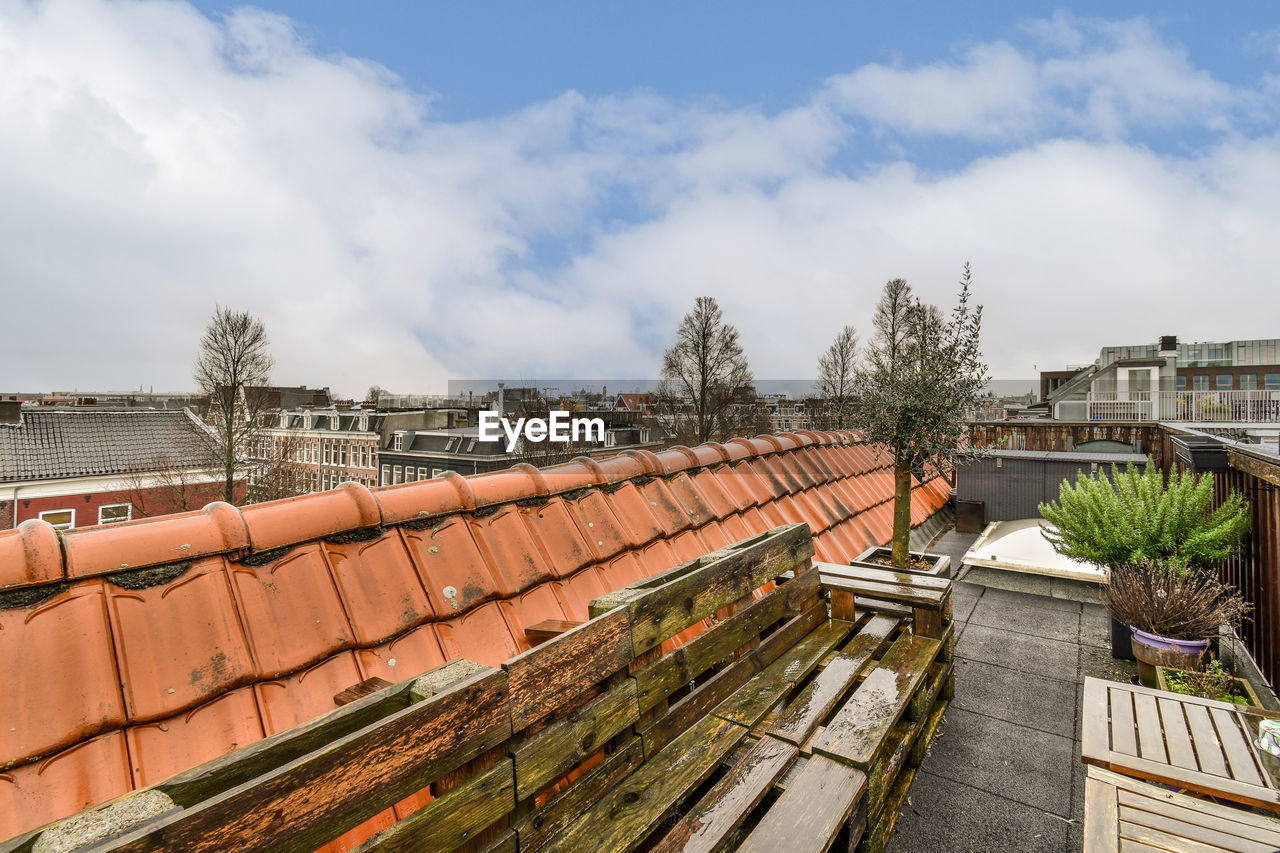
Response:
column 275, row 470
column 836, row 369
column 233, row 359
column 706, row 386
column 921, row 374
column 171, row 487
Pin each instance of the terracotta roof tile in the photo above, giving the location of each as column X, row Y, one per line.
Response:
column 291, row 611
column 251, row 639
column 559, row 537
column 380, row 590
column 180, row 643
column 278, row 523
column 160, row 749
column 30, row 555
column 401, row 658
column 88, row 773
column 60, row 682
column 666, row 509
column 453, row 569
column 481, row 635
column 506, row 540
column 576, row 593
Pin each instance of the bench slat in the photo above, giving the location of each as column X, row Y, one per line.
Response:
column 751, row 702
column 858, row 729
column 913, row 595
column 818, row 699
column 454, row 817
column 811, row 811
column 546, row 756
column 708, row 826
column 627, row 814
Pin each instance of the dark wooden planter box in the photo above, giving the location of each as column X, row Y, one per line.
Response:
column 1201, row 453
column 940, row 568
column 1242, row 686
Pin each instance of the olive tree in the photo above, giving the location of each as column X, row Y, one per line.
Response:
column 920, row 373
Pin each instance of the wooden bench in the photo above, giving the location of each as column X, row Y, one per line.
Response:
column 776, row 727
column 1124, row 814
column 1194, row 744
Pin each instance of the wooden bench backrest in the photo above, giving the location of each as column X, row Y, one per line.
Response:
column 488, row 742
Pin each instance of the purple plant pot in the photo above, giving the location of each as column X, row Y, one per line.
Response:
column 1168, row 644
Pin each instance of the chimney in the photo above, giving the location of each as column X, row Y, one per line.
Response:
column 10, row 412
column 501, row 411
column 1168, row 345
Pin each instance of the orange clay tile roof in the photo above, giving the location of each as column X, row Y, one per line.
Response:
column 135, row 651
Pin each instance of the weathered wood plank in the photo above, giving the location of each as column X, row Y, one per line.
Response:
column 1177, row 740
column 454, row 817
column 901, row 593
column 1208, row 750
column 628, row 813
column 560, row 669
column 810, row 811
column 1150, row 737
column 357, row 691
column 548, row 628
column 546, row 756
column 788, row 634
column 858, row 729
column 306, row 802
column 817, row 700
column 1123, row 736
column 666, row 610
column 1235, row 746
column 663, row 729
column 680, row 666
column 539, row 826
column 767, row 687
column 711, row 823
column 885, row 575
column 1095, row 727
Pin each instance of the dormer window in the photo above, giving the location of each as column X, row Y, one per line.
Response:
column 284, row 420
column 306, row 420
column 364, row 423
column 336, row 422
column 397, row 443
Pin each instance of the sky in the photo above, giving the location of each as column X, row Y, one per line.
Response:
column 411, row 192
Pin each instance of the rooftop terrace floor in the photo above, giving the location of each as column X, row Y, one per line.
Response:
column 1004, row 771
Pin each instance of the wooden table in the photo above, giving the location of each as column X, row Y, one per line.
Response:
column 1124, row 814
column 1190, row 743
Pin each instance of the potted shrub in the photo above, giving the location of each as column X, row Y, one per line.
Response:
column 918, row 562
column 1136, row 516
column 1215, row 682
column 1172, row 612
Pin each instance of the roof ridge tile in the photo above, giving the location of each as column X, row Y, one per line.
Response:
column 30, row 555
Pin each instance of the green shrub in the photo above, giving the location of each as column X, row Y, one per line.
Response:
column 1136, row 517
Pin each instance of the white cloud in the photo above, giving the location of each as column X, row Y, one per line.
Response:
column 154, row 163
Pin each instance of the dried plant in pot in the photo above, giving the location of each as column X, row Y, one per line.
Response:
column 1173, row 612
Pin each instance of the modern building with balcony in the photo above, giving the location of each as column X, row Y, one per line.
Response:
column 1232, row 385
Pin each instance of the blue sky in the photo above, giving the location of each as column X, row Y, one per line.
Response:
column 408, row 192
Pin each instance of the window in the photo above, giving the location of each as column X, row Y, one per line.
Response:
column 342, row 453
column 409, row 475
column 424, row 474
column 1200, row 383
column 398, row 442
column 397, row 474
column 1224, row 381
column 61, row 519
column 437, row 472
column 1181, row 383
column 1248, row 382
column 112, row 513
column 1273, row 381
column 386, row 475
